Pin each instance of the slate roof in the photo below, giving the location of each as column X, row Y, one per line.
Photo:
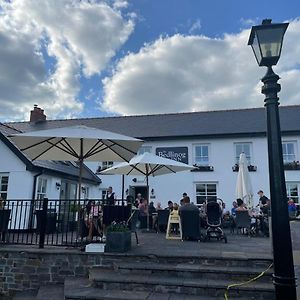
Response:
column 239, row 122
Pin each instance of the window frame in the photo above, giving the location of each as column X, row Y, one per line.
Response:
column 206, row 195
column 237, row 157
column 40, row 194
column 288, row 191
column 3, row 193
column 294, row 143
column 208, row 145
column 146, row 149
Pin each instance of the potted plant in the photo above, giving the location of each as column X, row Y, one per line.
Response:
column 118, row 237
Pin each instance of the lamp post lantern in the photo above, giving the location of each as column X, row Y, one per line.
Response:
column 266, row 42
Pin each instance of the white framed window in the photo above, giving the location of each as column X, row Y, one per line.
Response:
column 107, row 164
column 144, row 149
column 292, row 191
column 243, row 148
column 201, row 154
column 289, row 151
column 3, row 186
column 205, row 191
column 41, row 188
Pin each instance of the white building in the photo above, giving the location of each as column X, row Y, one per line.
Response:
column 211, row 140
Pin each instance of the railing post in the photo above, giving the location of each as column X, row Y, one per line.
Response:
column 43, row 223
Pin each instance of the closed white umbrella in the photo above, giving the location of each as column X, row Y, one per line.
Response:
column 243, row 184
column 80, row 143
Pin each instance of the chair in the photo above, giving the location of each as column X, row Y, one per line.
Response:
column 190, row 223
column 4, row 220
column 132, row 224
column 174, row 224
column 162, row 219
column 242, row 220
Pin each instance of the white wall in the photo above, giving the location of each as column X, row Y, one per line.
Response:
column 222, row 158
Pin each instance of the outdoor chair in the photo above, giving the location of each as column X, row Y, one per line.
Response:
column 4, row 220
column 243, row 220
column 190, row 223
column 132, row 224
column 162, row 220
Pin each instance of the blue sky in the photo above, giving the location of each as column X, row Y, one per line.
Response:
column 118, row 57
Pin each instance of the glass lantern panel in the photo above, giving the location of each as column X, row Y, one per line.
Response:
column 256, row 49
column 270, row 41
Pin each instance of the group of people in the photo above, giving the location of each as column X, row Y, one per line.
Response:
column 93, row 215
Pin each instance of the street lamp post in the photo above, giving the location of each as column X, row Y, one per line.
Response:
column 266, row 42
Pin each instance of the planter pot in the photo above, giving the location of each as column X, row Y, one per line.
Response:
column 118, row 241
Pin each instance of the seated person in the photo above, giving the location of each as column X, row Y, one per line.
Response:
column 93, row 219
column 234, row 207
column 292, row 208
column 158, row 206
column 170, row 206
column 240, row 205
column 188, row 205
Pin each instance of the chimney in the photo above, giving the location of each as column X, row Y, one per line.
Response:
column 37, row 114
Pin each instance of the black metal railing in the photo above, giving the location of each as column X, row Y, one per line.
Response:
column 58, row 222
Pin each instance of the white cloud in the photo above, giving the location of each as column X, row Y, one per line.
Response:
column 196, row 26
column 79, row 36
column 192, row 73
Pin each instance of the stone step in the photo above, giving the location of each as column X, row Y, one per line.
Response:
column 110, row 279
column 51, row 292
column 228, row 259
column 81, row 288
column 189, row 270
column 23, row 295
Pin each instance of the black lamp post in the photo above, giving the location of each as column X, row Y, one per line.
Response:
column 266, row 42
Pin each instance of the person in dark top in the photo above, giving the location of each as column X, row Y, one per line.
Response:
column 110, row 196
column 188, row 205
column 264, row 202
column 170, row 206
column 151, row 208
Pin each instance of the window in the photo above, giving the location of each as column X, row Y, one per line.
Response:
column 292, row 191
column 201, row 155
column 3, row 186
column 288, row 152
column 144, row 149
column 243, row 148
column 205, row 191
column 41, row 188
column 107, row 164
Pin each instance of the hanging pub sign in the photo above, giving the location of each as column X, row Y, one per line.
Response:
column 176, row 153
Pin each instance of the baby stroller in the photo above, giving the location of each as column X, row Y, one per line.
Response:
column 214, row 220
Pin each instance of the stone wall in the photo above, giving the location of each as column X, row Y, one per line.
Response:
column 23, row 270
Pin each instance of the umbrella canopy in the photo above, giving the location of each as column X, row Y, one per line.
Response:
column 243, row 184
column 78, row 143
column 148, row 164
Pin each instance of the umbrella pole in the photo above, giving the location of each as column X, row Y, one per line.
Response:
column 79, row 188
column 123, row 179
column 148, row 217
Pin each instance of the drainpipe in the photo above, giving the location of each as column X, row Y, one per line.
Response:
column 30, row 222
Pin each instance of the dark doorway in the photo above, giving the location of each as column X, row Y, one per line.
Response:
column 140, row 190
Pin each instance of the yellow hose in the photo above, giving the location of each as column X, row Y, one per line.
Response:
column 246, row 282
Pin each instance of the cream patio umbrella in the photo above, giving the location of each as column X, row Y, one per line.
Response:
column 147, row 164
column 243, row 184
column 76, row 143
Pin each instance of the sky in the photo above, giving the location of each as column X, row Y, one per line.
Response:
column 92, row 58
